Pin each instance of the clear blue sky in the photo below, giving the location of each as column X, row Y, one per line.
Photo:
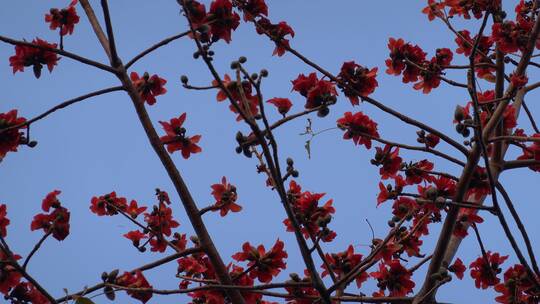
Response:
column 98, row 146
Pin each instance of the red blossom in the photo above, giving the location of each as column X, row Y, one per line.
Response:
column 458, row 268
column 317, row 91
column 26, row 56
column 57, row 221
column 342, row 263
column 4, row 221
column 532, row 152
column 10, row 276
column 485, row 272
column 134, row 210
column 135, row 280
column 135, row 236
column 431, row 140
column 161, row 220
column 225, row 196
column 10, row 140
column 239, row 277
column 266, row 264
column 433, row 9
column 404, row 57
column 108, row 204
column 190, row 266
column 362, row 81
column 517, row 287
column 393, row 277
column 464, row 8
column 277, row 33
column 390, row 192
column 51, row 200
column 65, row 18
column 358, row 127
column 176, row 139
column 389, row 161
column 404, row 206
column 283, row 105
column 417, row 172
column 510, row 36
column 254, row 8
column 518, row 81
column 466, row 217
column 148, row 86
column 223, row 20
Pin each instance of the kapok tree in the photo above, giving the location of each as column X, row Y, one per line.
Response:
column 498, row 55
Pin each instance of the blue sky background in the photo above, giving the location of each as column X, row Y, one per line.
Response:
column 98, row 146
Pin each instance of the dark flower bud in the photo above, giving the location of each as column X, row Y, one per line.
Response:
column 242, row 59
column 239, row 137
column 466, row 132
column 234, row 65
column 112, row 276
column 421, row 133
column 109, row 293
column 459, row 113
column 460, row 127
column 254, row 76
column 211, row 53
column 295, row 277
column 391, row 223
column 104, row 276
column 264, row 73
column 295, row 173
column 238, row 149
column 196, row 55
column 431, row 193
column 184, row 79
column 32, row 144
column 194, row 239
column 322, row 112
column 290, row 162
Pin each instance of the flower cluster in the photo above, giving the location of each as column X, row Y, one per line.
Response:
column 176, row 139
column 411, row 61
column 532, row 152
column 317, row 91
column 358, row 127
column 10, row 140
column 462, row 8
column 357, row 80
column 218, row 23
column 34, row 56
column 135, row 280
column 148, row 86
column 313, row 218
column 517, row 287
column 56, row 221
column 65, row 18
column 264, row 265
column 393, row 277
column 484, row 270
column 241, row 94
column 342, row 263
column 225, row 196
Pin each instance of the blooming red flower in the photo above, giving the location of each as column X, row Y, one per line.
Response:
column 466, row 217
column 160, row 220
column 277, row 33
column 197, row 13
column 283, row 105
column 518, row 81
column 225, row 196
column 135, row 236
column 485, row 272
column 190, row 266
column 108, row 204
column 433, row 9
column 404, row 206
column 148, row 86
column 312, row 217
column 404, row 57
column 390, row 192
column 476, row 7
column 134, row 210
column 135, row 280
column 458, row 268
column 532, row 152
column 9, row 140
column 267, row 264
column 56, row 222
column 359, row 81
column 4, row 221
column 417, row 172
column 238, row 276
column 510, row 36
column 223, row 20
column 26, row 56
column 393, row 277
column 317, row 91
column 389, row 161
column 176, row 139
column 359, row 127
column 65, row 18
column 10, row 276
column 431, row 140
column 254, row 8
column 517, row 287
column 342, row 263
column 51, row 200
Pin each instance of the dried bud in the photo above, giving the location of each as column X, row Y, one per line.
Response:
column 264, row 73
column 184, row 79
column 242, row 59
column 459, row 113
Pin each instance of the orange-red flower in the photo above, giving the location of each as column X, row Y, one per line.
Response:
column 484, row 271
column 148, row 86
column 265, row 264
column 358, row 127
column 393, row 277
column 342, row 263
column 458, row 268
column 225, row 196
column 9, row 140
column 108, row 204
column 65, row 18
column 362, row 81
column 176, row 139
column 135, row 280
column 26, row 56
column 283, row 105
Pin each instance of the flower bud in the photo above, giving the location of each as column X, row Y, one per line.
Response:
column 184, row 79
column 459, row 113
column 242, row 59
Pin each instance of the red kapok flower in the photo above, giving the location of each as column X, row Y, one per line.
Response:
column 4, row 221
column 342, row 263
column 361, row 80
column 225, row 196
column 466, row 217
column 56, row 223
column 135, row 236
column 458, row 268
column 267, row 264
column 51, row 200
column 161, row 220
column 532, row 152
column 317, row 91
column 148, row 86
column 433, row 9
column 358, row 127
column 9, row 140
column 65, row 18
column 134, row 210
column 254, row 8
column 283, row 105
column 277, row 33
column 223, row 20
column 10, row 276
column 485, row 272
column 417, row 172
column 517, row 287
column 176, row 139
column 389, row 161
column 393, row 277
column 135, row 280
column 108, row 204
column 518, row 81
column 26, row 56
